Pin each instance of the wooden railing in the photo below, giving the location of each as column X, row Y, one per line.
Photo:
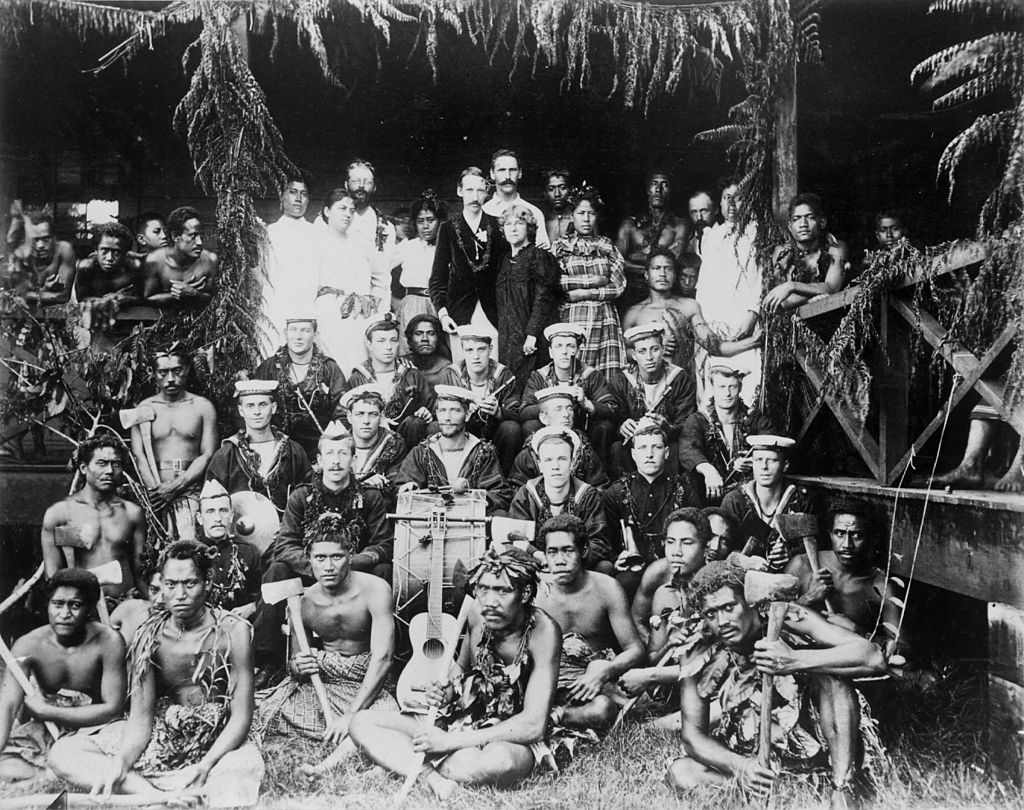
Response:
column 888, row 452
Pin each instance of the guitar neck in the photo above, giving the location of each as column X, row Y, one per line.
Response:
column 435, row 584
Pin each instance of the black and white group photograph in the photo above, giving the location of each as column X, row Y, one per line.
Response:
column 512, row 404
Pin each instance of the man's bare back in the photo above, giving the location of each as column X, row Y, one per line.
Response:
column 78, row 534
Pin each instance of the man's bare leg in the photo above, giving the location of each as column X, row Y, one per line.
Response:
column 686, row 774
column 840, row 722
column 502, row 764
column 970, row 472
column 1013, row 479
column 78, row 760
column 386, row 738
column 15, row 769
column 598, row 713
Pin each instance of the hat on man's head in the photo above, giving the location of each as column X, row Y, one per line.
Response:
column 553, row 432
column 386, row 323
column 726, row 369
column 644, row 330
column 361, row 392
column 470, row 332
column 335, row 429
column 301, row 317
column 565, row 330
column 555, row 391
column 456, row 392
column 770, row 441
column 264, row 388
column 213, row 489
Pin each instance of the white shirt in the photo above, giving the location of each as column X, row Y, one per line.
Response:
column 729, row 285
column 496, row 206
column 290, row 286
column 363, row 233
column 416, row 258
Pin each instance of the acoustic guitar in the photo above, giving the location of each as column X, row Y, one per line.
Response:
column 433, row 635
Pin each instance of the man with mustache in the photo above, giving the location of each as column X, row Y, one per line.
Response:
column 349, row 612
column 235, row 575
column 703, row 215
column 469, row 250
column 191, row 687
column 812, row 664
column 811, row 263
column 506, row 173
column 95, row 525
column 848, row 578
column 378, row 449
column 181, row 439
column 595, row 407
column 43, row 267
column 640, row 501
column 78, row 665
column 599, row 641
column 453, row 457
column 495, row 701
column 259, row 458
column 182, row 274
column 650, row 386
column 360, row 508
column 556, row 491
column 557, row 406
column 428, row 347
column 371, row 229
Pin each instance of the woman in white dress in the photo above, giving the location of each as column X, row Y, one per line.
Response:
column 346, row 300
column 415, row 258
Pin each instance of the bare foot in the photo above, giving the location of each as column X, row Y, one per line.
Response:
column 442, row 786
column 1013, row 481
column 966, row 476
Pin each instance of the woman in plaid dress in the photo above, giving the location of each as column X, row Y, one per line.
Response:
column 592, row 277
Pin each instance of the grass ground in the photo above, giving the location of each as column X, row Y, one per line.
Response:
column 935, row 739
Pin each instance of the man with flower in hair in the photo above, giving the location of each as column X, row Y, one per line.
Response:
column 94, row 525
column 714, row 444
column 407, row 397
column 495, row 416
column 820, row 724
column 235, row 575
column 190, row 670
column 350, row 613
column 496, row 699
column 378, row 449
column 179, row 435
column 652, row 387
column 557, row 407
column 596, row 409
column 599, row 640
column 639, row 501
column 309, row 384
column 556, row 491
column 78, row 666
column 335, row 490
column 453, row 457
column 259, row 458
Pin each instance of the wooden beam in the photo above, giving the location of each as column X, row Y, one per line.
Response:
column 892, row 388
column 862, row 441
column 810, row 419
column 1006, row 728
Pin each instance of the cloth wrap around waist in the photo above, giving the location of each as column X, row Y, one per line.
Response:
column 29, row 739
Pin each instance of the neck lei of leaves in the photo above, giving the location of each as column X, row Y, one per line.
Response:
column 476, row 267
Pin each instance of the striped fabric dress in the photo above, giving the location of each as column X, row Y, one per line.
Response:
column 594, row 265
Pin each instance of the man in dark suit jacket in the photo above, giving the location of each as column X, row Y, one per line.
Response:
column 469, row 251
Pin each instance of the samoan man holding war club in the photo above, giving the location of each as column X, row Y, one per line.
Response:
column 94, row 525
column 191, row 676
column 259, row 458
column 334, row 490
column 453, row 457
column 350, row 613
column 494, row 703
column 78, row 669
column 173, row 439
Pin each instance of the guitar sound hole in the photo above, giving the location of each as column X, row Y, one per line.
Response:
column 433, row 648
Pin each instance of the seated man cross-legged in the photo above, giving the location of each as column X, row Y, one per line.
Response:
column 505, row 672
column 79, row 667
column 599, row 641
column 350, row 612
column 191, row 702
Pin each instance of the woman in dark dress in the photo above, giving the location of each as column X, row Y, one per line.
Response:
column 527, row 296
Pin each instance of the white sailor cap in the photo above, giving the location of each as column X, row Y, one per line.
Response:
column 551, row 432
column 335, row 429
column 724, row 368
column 213, row 489
column 305, row 316
column 768, row 441
column 565, row 329
column 367, row 391
column 644, row 330
column 263, row 388
column 470, row 332
column 456, row 392
column 572, row 392
column 386, row 323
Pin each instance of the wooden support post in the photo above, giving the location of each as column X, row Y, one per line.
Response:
column 1006, row 690
column 784, row 174
column 892, row 377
